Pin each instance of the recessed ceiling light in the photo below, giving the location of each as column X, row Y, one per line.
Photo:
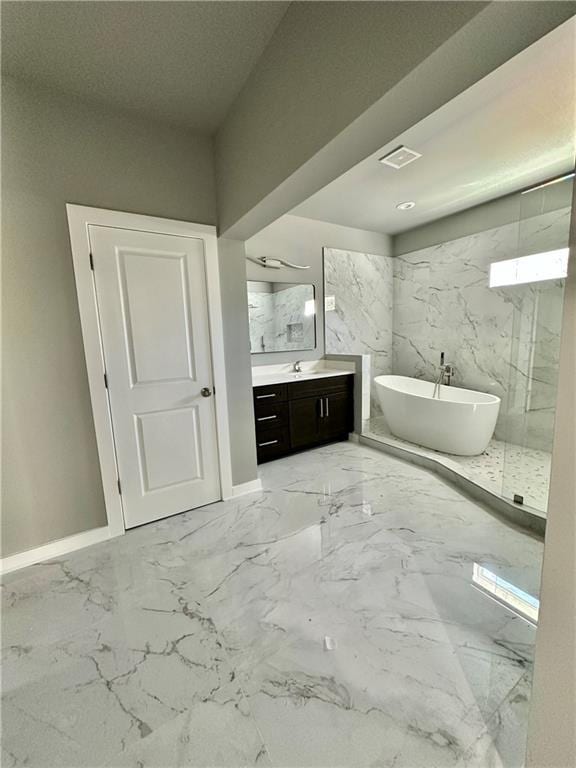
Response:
column 400, row 157
column 407, row 206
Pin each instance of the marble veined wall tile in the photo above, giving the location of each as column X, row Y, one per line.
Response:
column 501, row 340
column 261, row 321
column 405, row 311
column 290, row 311
column 361, row 321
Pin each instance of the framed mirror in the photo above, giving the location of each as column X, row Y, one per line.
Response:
column 282, row 316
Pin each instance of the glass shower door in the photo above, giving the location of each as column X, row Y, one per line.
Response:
column 537, row 298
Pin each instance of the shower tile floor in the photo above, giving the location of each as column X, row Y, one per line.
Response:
column 504, row 468
column 333, row 619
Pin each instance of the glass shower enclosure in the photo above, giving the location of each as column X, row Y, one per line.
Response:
column 537, row 298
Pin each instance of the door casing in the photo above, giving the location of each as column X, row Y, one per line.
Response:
column 79, row 219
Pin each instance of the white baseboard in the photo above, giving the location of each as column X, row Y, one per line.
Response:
column 243, row 488
column 53, row 549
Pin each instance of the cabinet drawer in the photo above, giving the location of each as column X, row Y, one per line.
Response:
column 273, row 393
column 319, row 387
column 272, row 443
column 271, row 416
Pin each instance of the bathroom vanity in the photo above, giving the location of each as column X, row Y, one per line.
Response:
column 294, row 411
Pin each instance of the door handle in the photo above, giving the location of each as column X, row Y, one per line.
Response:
column 327, row 408
column 206, row 392
column 321, row 407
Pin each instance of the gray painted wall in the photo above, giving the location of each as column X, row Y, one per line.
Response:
column 302, row 241
column 340, row 80
column 237, row 351
column 288, row 108
column 56, row 150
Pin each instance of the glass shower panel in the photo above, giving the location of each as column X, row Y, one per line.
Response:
column 530, row 405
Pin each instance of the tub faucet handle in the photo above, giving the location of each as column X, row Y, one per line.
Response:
column 448, row 371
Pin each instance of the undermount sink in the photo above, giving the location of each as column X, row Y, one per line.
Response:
column 310, row 374
column 300, row 374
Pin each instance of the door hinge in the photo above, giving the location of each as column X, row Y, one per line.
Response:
column 119, row 487
column 92, row 262
column 105, row 379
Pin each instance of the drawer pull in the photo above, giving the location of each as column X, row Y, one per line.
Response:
column 266, row 418
column 270, row 442
column 261, row 397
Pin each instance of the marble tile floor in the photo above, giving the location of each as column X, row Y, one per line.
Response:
column 503, row 468
column 329, row 620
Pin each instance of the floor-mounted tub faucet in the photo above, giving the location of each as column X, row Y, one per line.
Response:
column 444, row 377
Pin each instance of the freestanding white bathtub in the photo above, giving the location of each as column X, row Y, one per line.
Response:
column 461, row 421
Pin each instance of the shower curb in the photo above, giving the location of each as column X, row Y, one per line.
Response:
column 519, row 515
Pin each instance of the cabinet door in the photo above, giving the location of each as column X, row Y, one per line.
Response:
column 337, row 416
column 305, row 421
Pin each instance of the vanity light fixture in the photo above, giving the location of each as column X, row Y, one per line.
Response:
column 407, row 206
column 265, row 261
column 550, row 265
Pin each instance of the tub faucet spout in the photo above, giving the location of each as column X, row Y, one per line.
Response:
column 444, row 376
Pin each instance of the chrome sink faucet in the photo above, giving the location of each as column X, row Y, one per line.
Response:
column 444, row 377
column 298, row 366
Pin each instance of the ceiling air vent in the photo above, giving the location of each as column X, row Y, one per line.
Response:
column 400, row 157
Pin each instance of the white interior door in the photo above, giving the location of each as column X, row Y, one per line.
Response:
column 153, row 308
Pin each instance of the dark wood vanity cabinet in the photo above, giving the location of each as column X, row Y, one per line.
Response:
column 301, row 414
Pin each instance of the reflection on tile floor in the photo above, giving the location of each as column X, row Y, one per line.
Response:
column 203, row 639
column 504, row 468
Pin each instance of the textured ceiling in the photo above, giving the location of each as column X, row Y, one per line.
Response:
column 510, row 130
column 180, row 62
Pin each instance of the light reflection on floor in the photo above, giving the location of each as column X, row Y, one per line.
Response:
column 514, row 598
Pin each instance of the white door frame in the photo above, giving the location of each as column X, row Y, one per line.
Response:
column 80, row 217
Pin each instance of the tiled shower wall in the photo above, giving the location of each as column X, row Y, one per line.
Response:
column 501, row 340
column 361, row 286
column 408, row 309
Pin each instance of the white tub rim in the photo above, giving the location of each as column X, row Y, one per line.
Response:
column 385, row 380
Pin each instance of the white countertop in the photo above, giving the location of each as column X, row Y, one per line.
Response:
column 264, row 375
